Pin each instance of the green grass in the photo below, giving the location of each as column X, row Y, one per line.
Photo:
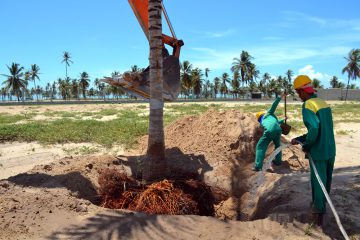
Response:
column 190, row 109
column 107, row 112
column 131, row 123
column 83, row 150
column 8, row 118
column 344, row 132
column 123, row 131
column 296, row 126
column 87, row 114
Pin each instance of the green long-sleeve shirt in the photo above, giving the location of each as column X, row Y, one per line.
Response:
column 319, row 140
column 270, row 123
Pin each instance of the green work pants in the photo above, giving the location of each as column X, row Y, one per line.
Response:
column 325, row 170
column 262, row 146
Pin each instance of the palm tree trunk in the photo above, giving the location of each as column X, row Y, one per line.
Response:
column 155, row 165
column 347, row 89
column 37, row 98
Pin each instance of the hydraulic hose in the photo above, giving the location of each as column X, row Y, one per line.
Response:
column 276, row 151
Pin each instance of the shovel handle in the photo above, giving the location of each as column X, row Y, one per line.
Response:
column 285, row 106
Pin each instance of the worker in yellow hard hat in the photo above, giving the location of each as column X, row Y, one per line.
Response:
column 319, row 141
column 272, row 133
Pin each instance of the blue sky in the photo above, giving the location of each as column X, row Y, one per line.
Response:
column 308, row 37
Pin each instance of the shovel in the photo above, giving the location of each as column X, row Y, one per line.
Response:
column 285, row 128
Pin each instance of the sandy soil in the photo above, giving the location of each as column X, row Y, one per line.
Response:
column 62, row 188
column 19, row 157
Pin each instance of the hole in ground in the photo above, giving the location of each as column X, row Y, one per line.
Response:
column 176, row 196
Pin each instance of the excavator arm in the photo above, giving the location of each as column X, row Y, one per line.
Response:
column 138, row 84
column 140, row 8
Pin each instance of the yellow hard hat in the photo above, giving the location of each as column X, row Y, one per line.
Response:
column 301, row 81
column 259, row 114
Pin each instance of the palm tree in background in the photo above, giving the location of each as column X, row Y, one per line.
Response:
column 15, row 82
column 84, row 83
column 34, row 74
column 217, row 82
column 235, row 83
column 67, row 61
column 27, row 76
column 288, row 83
column 3, row 93
column 352, row 68
column 252, row 73
column 223, row 88
column 117, row 73
column 53, row 91
column 317, row 83
column 207, row 70
column 75, row 89
column 134, row 69
column 101, row 87
column 242, row 65
column 334, row 82
column 289, row 74
column 185, row 76
column 263, row 83
column 62, row 88
column 196, row 76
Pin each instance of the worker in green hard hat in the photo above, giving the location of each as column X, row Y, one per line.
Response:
column 272, row 133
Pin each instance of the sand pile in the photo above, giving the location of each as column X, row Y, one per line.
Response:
column 219, row 146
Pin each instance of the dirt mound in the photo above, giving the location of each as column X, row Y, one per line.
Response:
column 219, row 145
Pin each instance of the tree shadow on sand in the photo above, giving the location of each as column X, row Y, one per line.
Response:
column 180, row 165
column 118, row 224
column 73, row 181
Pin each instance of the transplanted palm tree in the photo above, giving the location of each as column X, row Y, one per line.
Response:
column 84, row 83
column 67, row 61
column 353, row 67
column 155, row 164
column 34, row 74
column 15, row 82
column 242, row 65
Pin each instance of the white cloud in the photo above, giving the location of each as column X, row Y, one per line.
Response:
column 292, row 16
column 217, row 34
column 263, row 56
column 212, row 58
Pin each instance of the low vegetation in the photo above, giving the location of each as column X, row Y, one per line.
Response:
column 129, row 124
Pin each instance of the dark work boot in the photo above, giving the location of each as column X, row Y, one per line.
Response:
column 317, row 219
column 256, row 169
